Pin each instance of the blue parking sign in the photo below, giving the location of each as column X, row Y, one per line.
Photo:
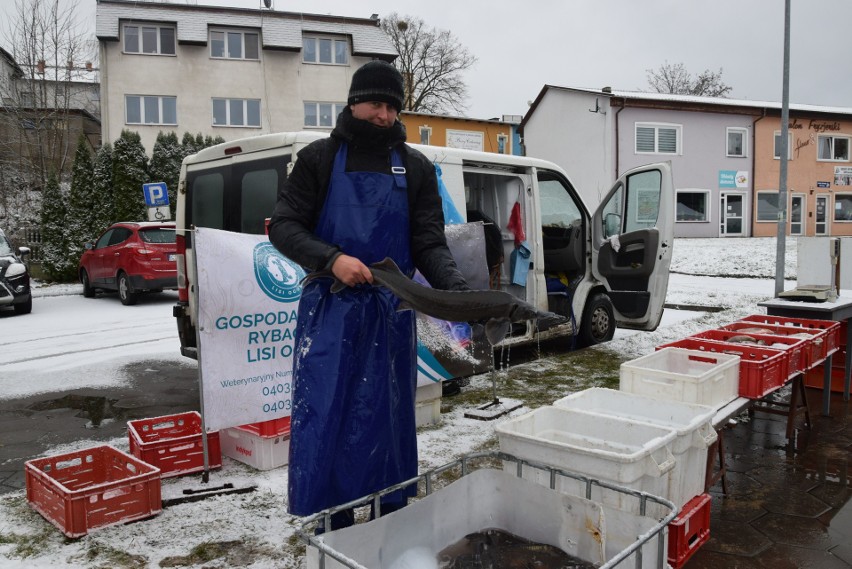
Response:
column 156, row 194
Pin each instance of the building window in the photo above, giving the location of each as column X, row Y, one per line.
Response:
column 325, row 50
column 425, row 134
column 737, row 142
column 833, row 148
column 778, row 145
column 658, row 138
column 692, row 205
column 502, row 143
column 149, row 39
column 842, row 207
column 322, row 114
column 150, row 109
column 236, row 112
column 234, row 45
column 767, row 206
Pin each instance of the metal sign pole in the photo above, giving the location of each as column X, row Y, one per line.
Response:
column 782, row 186
column 193, row 298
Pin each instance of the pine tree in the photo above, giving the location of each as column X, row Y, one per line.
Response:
column 80, row 215
column 188, row 144
column 54, row 232
column 129, row 172
column 165, row 164
column 102, row 206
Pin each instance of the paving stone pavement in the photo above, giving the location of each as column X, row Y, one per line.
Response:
column 788, row 503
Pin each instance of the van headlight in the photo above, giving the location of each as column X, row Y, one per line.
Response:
column 15, row 270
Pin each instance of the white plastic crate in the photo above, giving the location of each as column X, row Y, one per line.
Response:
column 619, row 451
column 480, row 500
column 263, row 453
column 692, row 423
column 689, row 376
column 427, row 404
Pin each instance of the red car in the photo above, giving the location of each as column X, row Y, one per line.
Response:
column 131, row 258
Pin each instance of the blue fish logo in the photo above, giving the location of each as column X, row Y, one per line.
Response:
column 279, row 277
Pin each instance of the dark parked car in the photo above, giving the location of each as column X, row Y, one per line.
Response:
column 131, row 258
column 14, row 277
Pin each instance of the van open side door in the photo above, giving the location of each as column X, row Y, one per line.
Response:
column 632, row 238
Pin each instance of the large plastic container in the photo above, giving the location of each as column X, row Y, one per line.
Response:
column 692, row 423
column 831, row 333
column 486, row 498
column 798, row 350
column 92, row 488
column 260, row 452
column 173, row 443
column 815, row 339
column 610, row 449
column 761, row 370
column 690, row 376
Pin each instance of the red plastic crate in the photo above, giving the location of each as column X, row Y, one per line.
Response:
column 173, row 443
column 762, row 370
column 267, row 429
column 689, row 530
column 92, row 488
column 832, row 333
column 798, row 349
column 815, row 353
column 815, row 378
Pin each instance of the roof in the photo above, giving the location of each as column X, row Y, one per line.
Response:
column 659, row 99
column 11, row 61
column 458, row 118
column 279, row 30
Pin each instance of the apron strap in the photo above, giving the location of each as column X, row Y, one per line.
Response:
column 340, row 159
column 398, row 170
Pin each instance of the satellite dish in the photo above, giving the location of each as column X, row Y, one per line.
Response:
column 267, row 4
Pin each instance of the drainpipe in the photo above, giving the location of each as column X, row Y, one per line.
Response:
column 617, row 149
column 753, row 171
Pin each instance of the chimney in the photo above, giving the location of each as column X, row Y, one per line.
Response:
column 40, row 67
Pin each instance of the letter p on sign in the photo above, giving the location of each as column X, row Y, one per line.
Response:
column 156, row 194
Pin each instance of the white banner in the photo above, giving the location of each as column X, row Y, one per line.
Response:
column 248, row 295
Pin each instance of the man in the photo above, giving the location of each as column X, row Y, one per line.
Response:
column 352, row 200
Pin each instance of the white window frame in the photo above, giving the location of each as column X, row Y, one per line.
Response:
column 757, row 206
column 427, row 130
column 776, row 152
column 316, row 38
column 678, row 128
column 242, row 34
column 505, row 139
column 744, row 133
column 228, row 122
column 141, row 102
column 708, row 209
column 337, row 108
column 139, row 27
column 832, row 137
column 833, row 217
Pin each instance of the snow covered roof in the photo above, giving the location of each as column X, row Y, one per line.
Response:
column 280, row 30
column 695, row 99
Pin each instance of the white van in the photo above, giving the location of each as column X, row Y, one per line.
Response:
column 602, row 270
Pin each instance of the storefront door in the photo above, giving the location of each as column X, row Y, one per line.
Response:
column 797, row 214
column 821, row 215
column 731, row 215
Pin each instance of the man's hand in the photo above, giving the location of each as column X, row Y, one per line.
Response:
column 351, row 271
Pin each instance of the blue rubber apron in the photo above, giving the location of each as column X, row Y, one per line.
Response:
column 352, row 423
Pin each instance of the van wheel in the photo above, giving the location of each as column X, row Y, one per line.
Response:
column 88, row 291
column 125, row 290
column 598, row 323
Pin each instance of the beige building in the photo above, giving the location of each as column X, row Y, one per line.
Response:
column 226, row 72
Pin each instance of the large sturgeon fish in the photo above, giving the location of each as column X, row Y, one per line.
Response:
column 496, row 308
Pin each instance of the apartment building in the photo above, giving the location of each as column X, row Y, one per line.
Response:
column 724, row 155
column 228, row 72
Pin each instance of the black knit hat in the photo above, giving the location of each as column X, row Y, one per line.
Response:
column 377, row 81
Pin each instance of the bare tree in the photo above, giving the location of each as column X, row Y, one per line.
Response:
column 674, row 78
column 432, row 63
column 39, row 97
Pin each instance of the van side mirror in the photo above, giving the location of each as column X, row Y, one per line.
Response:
column 612, row 224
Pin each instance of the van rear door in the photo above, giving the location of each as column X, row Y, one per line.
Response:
column 632, row 237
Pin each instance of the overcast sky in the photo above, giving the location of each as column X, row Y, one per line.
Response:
column 521, row 46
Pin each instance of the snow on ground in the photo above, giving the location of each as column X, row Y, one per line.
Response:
column 257, row 523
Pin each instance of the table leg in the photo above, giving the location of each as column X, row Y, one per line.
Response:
column 826, row 386
column 847, row 370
